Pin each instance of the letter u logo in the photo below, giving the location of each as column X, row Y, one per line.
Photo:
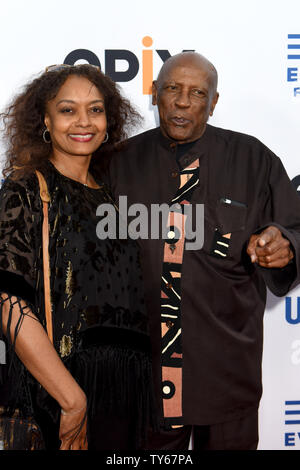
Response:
column 288, row 311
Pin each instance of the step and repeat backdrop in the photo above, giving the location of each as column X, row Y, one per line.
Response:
column 255, row 46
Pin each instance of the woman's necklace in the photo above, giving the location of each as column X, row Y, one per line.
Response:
column 64, row 173
column 75, row 179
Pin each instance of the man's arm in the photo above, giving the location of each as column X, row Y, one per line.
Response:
column 275, row 246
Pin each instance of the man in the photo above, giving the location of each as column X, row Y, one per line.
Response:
column 206, row 305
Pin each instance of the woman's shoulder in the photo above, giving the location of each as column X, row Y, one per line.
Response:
column 13, row 182
column 20, row 191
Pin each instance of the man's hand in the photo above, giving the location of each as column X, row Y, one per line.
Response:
column 270, row 249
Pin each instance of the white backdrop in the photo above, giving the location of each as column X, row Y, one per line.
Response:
column 248, row 43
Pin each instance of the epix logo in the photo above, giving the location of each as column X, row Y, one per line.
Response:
column 116, row 57
column 293, row 73
column 292, row 419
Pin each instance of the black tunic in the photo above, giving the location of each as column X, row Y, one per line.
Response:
column 244, row 188
column 99, row 317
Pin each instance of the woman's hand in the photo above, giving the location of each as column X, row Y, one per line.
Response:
column 72, row 430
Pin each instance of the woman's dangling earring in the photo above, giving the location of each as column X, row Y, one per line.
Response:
column 47, row 141
column 106, row 138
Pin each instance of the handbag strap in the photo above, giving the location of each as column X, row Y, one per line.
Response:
column 44, row 195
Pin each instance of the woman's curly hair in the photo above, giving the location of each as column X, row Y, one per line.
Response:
column 24, row 120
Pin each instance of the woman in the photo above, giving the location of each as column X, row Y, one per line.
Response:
column 63, row 124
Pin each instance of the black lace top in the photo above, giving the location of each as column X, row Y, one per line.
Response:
column 99, row 316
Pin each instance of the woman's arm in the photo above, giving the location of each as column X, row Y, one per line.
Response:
column 37, row 353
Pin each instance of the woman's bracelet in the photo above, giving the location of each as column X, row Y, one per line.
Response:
column 65, row 413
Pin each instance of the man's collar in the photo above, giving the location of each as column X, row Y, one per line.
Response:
column 198, row 149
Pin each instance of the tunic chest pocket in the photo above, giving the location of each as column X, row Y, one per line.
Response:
column 224, row 220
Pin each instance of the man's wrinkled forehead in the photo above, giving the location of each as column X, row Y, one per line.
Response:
column 188, row 60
